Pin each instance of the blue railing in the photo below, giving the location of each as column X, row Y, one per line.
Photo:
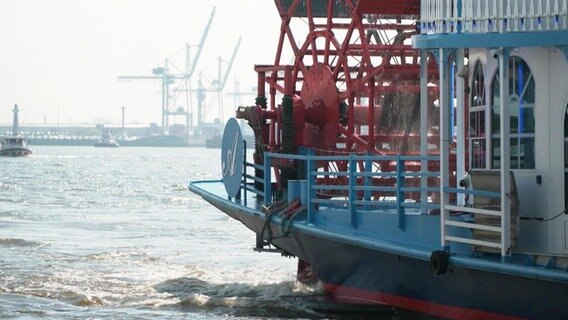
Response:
column 367, row 183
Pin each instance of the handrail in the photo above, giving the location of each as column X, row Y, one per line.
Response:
column 475, row 225
column 354, row 195
column 483, row 16
column 363, row 187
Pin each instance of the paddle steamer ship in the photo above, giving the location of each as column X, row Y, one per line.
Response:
column 417, row 157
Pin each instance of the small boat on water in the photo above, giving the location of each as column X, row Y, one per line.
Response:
column 419, row 155
column 14, row 145
column 107, row 141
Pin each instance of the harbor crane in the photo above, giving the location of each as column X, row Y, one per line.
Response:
column 167, row 78
column 216, row 86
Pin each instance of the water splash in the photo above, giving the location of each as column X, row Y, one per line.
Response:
column 12, row 242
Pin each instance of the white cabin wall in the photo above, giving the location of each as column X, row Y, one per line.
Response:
column 536, row 200
column 558, row 96
column 545, row 199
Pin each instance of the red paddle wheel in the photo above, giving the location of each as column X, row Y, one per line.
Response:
column 353, row 86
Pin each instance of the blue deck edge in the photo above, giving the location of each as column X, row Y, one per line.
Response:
column 388, row 247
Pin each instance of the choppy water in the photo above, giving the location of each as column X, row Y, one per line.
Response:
column 114, row 234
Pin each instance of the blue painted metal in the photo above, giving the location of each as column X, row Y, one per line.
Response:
column 293, row 191
column 377, row 245
column 232, row 151
column 367, row 179
column 351, row 192
column 267, row 178
column 520, row 87
column 452, row 96
column 491, row 40
column 399, row 192
column 447, row 54
column 244, row 177
column 489, row 194
column 310, row 166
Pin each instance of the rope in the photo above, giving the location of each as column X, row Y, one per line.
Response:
column 270, row 210
column 268, row 227
column 274, row 206
column 286, row 223
column 287, row 217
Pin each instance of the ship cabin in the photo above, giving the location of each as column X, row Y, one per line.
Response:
column 503, row 70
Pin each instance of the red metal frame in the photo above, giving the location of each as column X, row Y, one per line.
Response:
column 360, row 74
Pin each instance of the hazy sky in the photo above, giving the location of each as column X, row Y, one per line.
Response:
column 60, row 59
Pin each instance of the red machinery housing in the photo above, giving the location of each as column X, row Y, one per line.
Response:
column 353, row 86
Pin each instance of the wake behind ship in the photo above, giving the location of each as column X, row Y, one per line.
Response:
column 416, row 158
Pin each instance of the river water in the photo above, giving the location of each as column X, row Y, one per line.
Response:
column 115, row 234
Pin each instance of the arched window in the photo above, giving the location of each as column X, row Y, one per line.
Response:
column 521, row 110
column 477, row 142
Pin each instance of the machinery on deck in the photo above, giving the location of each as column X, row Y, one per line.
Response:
column 354, row 86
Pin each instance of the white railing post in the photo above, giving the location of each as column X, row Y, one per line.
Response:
column 466, row 14
column 496, row 19
column 564, row 15
column 500, row 14
column 424, row 124
column 554, row 19
column 460, row 122
column 548, row 14
column 486, row 16
column 430, row 15
column 514, row 20
column 505, row 152
column 444, row 141
column 523, row 19
column 507, row 14
column 539, row 18
column 448, row 16
column 479, row 16
column 423, row 14
column 531, row 16
column 439, row 9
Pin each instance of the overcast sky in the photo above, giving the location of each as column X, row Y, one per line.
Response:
column 60, row 59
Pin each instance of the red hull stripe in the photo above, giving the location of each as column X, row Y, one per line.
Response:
column 431, row 308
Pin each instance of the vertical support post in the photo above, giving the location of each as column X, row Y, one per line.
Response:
column 367, row 180
column 423, row 16
column 244, row 178
column 164, row 102
column 400, row 192
column 505, row 153
column 451, row 67
column 350, row 117
column 309, row 184
column 123, row 133
column 352, row 193
column 288, row 131
column 267, row 179
column 261, row 101
column 371, row 115
column 460, row 122
column 444, row 141
column 458, row 17
column 501, row 13
column 423, row 126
